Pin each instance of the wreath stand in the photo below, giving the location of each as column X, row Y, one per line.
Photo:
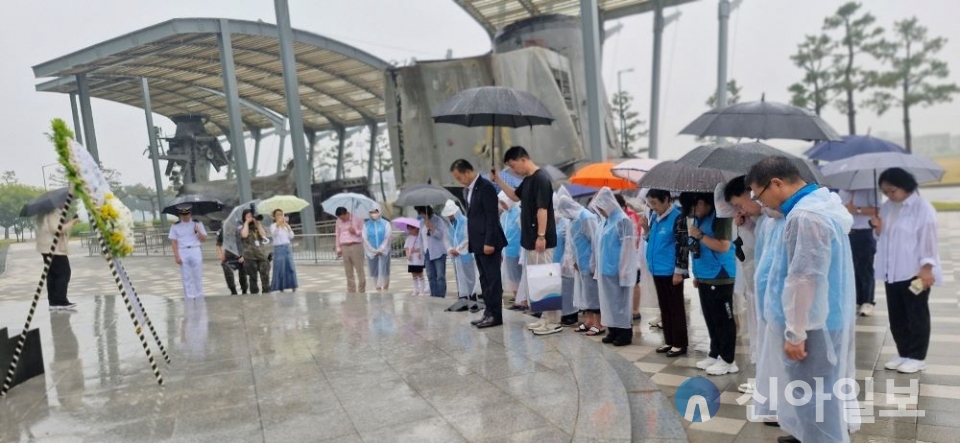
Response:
column 134, row 307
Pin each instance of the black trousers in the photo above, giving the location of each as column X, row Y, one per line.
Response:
column 864, row 247
column 227, row 266
column 490, row 284
column 717, row 304
column 909, row 319
column 58, row 278
column 673, row 315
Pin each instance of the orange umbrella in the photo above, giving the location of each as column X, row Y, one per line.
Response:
column 599, row 175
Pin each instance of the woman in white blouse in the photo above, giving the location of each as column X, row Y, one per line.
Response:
column 909, row 264
column 284, row 273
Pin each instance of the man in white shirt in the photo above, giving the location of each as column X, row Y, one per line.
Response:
column 862, row 204
column 186, row 236
column 58, row 276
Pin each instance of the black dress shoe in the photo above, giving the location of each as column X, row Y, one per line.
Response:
column 664, row 349
column 612, row 334
column 479, row 320
column 787, row 439
column 672, row 353
column 624, row 337
column 489, row 323
column 474, row 307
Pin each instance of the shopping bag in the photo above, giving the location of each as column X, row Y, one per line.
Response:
column 543, row 287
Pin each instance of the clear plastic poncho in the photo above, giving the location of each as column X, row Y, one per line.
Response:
column 616, row 262
column 377, row 236
column 463, row 264
column 805, row 292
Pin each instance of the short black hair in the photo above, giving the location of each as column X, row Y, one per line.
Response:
column 340, row 211
column 515, row 153
column 424, row 210
column 620, row 201
column 243, row 215
column 898, row 177
column 735, row 188
column 659, row 194
column 770, row 168
column 461, row 165
column 689, row 199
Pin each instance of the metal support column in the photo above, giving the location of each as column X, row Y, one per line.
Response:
column 283, row 143
column 341, row 145
column 292, row 90
column 655, row 80
column 90, row 134
column 233, row 111
column 590, row 24
column 312, row 146
column 77, row 133
column 154, row 148
column 724, row 19
column 372, row 158
column 256, row 150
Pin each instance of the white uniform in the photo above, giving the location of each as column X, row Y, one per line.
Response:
column 188, row 243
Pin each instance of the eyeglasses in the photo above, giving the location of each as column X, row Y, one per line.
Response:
column 756, row 197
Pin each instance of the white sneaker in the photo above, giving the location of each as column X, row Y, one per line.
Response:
column 550, row 328
column 721, row 367
column 539, row 324
column 866, row 309
column 707, row 362
column 912, row 366
column 655, row 323
column 746, row 388
column 895, row 363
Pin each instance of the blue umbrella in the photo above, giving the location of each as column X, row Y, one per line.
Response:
column 851, row 145
column 577, row 191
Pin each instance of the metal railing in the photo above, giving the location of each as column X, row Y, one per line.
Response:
column 319, row 248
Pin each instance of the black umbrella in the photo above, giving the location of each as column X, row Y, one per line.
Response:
column 495, row 106
column 424, row 195
column 740, row 157
column 761, row 120
column 199, row 205
column 678, row 177
column 46, row 203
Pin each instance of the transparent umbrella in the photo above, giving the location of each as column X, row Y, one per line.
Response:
column 231, row 226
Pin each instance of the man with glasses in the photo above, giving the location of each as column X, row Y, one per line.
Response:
column 807, row 300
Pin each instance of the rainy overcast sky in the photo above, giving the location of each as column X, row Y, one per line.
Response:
column 763, row 33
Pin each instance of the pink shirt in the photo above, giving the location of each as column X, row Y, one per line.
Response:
column 343, row 234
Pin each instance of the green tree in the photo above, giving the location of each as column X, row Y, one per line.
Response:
column 12, row 198
column 629, row 126
column 915, row 78
column 858, row 36
column 813, row 56
column 325, row 159
column 733, row 95
column 382, row 162
column 9, row 177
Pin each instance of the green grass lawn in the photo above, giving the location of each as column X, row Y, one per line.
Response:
column 946, row 206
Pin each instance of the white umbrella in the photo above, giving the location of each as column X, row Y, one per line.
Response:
column 861, row 171
column 634, row 168
column 357, row 204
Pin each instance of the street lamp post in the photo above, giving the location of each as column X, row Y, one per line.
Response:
column 623, row 120
column 43, row 173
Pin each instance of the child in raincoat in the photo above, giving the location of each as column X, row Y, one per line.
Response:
column 413, row 247
column 582, row 233
column 376, row 246
column 511, row 269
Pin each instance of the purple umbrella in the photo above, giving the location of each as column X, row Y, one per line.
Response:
column 402, row 223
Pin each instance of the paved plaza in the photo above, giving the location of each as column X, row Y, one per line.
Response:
column 323, row 365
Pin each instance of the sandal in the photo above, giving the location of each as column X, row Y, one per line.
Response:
column 582, row 328
column 594, row 331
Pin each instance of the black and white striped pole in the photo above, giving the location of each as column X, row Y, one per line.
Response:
column 146, row 318
column 47, row 259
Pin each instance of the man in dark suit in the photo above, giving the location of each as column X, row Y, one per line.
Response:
column 485, row 238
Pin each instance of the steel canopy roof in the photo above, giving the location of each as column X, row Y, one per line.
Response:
column 339, row 85
column 495, row 14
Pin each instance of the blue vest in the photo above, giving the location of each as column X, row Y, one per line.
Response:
column 510, row 220
column 662, row 243
column 582, row 244
column 458, row 234
column 712, row 264
column 611, row 244
column 376, row 231
column 562, row 225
